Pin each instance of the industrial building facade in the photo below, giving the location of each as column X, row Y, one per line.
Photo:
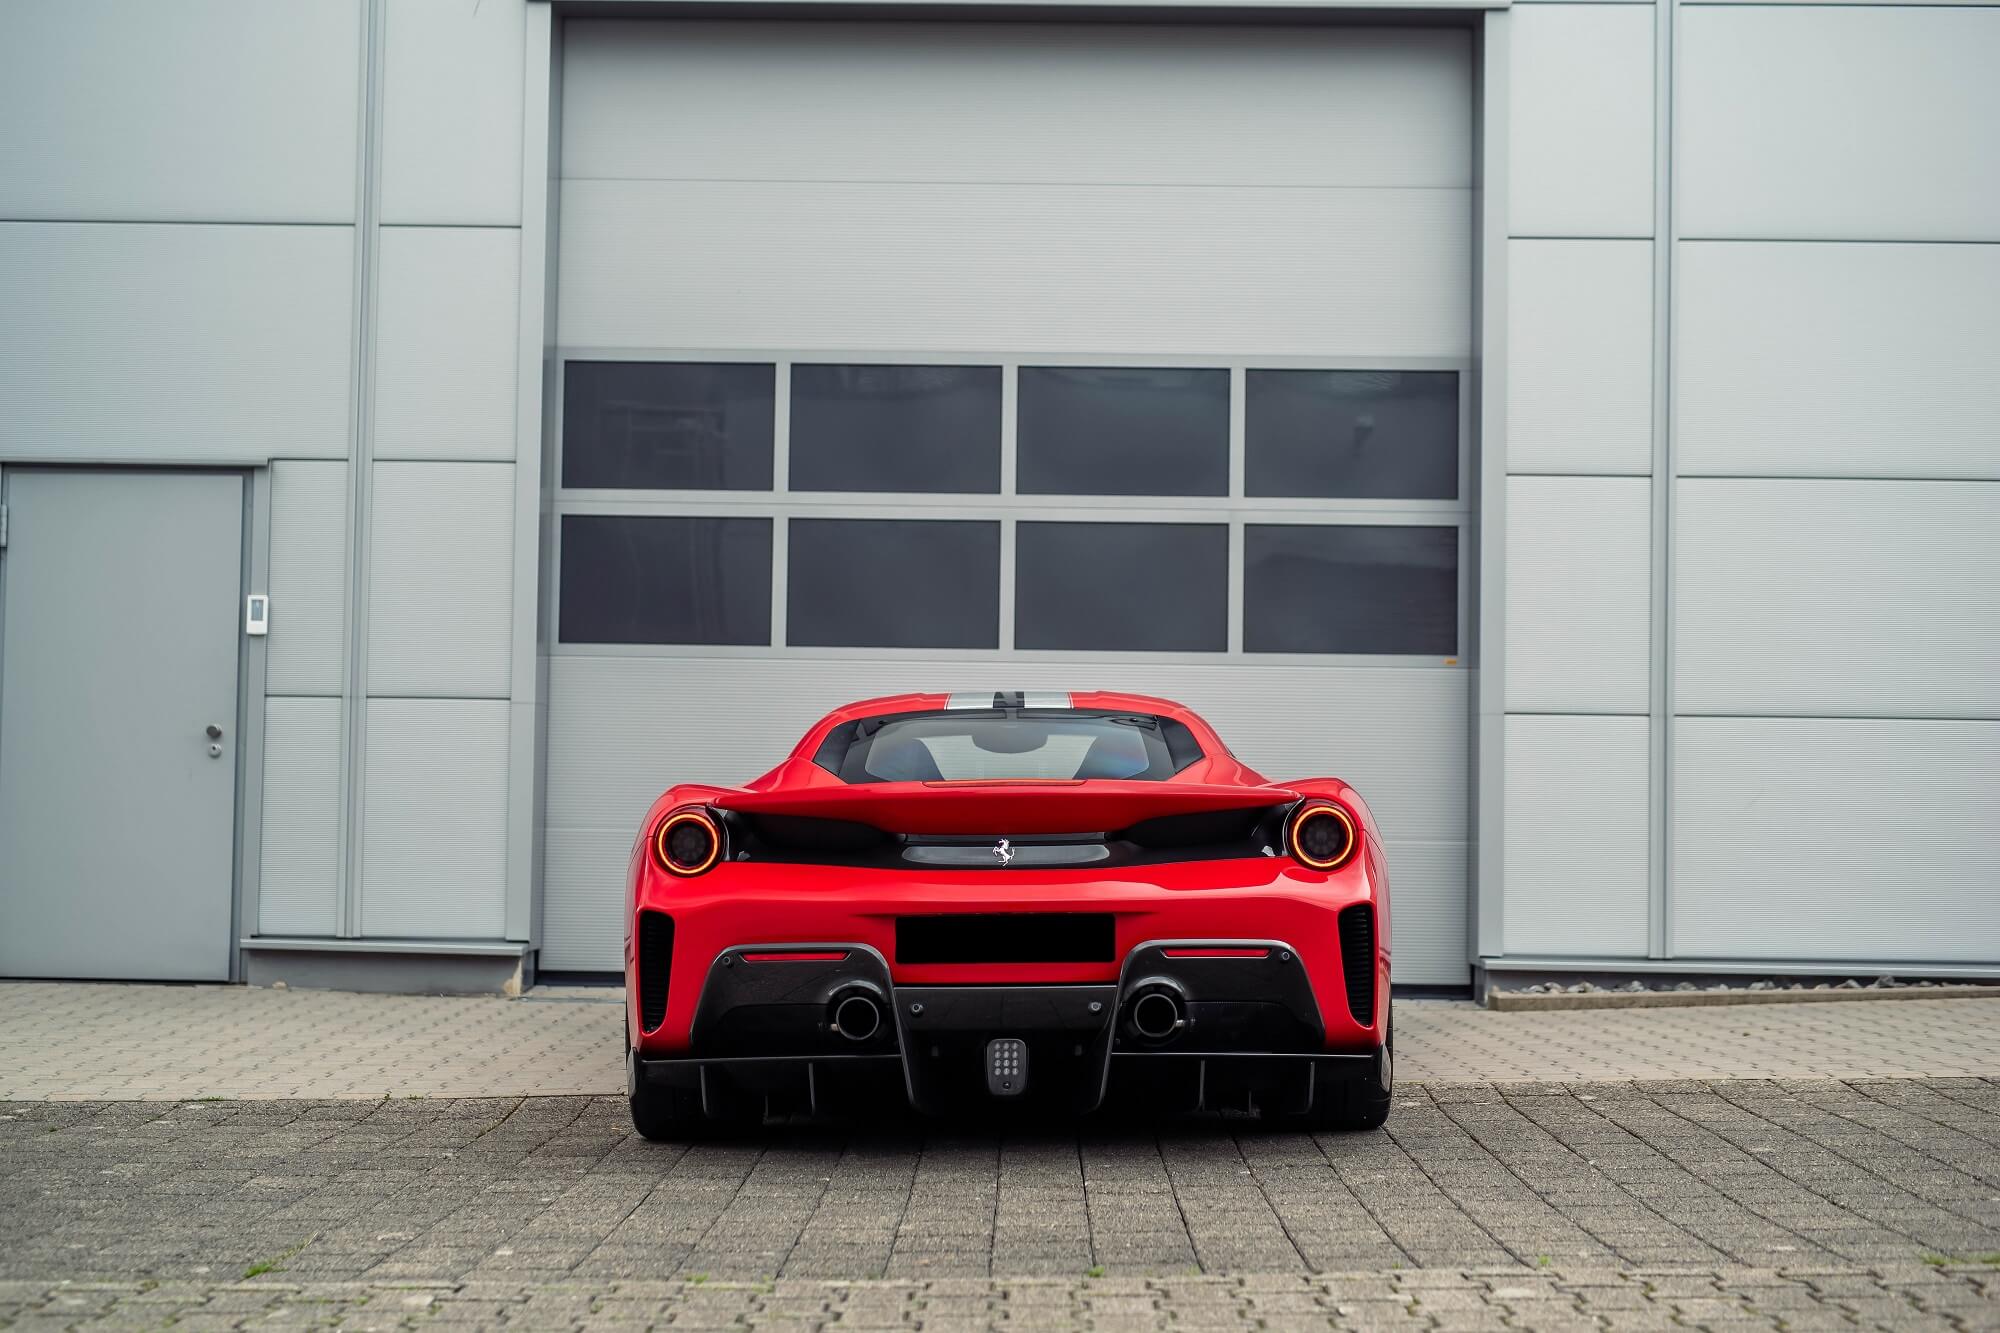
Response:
column 429, row 428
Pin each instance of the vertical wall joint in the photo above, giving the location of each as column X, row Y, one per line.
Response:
column 1660, row 701
column 361, row 440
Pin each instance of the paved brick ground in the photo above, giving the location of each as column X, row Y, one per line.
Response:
column 1501, row 1195
column 72, row 1040
column 1765, row 1175
column 1955, row 1297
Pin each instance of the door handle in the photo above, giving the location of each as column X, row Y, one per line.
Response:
column 214, row 732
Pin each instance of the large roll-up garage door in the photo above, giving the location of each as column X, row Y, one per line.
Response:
column 956, row 356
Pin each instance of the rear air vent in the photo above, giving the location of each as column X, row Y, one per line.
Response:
column 1357, row 961
column 656, row 958
column 1025, row 937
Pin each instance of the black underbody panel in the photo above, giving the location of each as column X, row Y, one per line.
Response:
column 822, row 1028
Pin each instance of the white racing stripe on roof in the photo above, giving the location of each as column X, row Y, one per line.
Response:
column 980, row 699
column 1045, row 699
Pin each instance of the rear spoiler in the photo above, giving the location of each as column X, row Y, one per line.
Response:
column 978, row 807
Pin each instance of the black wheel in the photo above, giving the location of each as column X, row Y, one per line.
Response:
column 1355, row 1103
column 669, row 1115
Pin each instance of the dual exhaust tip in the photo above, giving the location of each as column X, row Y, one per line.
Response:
column 1157, row 1015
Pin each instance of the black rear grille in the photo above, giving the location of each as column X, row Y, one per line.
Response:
column 1211, row 835
column 1357, row 961
column 1010, row 937
column 656, row 961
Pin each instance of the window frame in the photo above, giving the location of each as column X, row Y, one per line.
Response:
column 1009, row 507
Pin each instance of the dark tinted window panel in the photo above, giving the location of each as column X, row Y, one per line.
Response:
column 1120, row 431
column 896, row 428
column 1350, row 589
column 1122, row 587
column 665, row 580
column 667, row 425
column 893, row 583
column 1353, row 434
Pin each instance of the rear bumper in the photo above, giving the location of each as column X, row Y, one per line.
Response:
column 1185, row 1024
column 1226, row 903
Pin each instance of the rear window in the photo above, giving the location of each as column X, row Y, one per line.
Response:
column 970, row 745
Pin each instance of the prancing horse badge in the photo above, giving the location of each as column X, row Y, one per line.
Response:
column 1005, row 851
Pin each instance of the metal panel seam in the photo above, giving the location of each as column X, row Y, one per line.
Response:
column 1489, row 701
column 526, row 749
column 1659, row 760
column 361, row 442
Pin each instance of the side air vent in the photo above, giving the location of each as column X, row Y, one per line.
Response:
column 1357, row 961
column 656, row 959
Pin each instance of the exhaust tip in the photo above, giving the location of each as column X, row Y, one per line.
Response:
column 857, row 1017
column 1157, row 1015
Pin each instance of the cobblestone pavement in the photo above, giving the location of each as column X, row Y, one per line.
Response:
column 75, row 1040
column 1908, row 1296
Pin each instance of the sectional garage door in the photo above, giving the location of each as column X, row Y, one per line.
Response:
column 901, row 356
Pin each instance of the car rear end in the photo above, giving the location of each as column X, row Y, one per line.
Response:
column 1051, row 944
column 1252, row 981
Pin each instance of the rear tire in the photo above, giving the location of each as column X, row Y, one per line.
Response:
column 669, row 1115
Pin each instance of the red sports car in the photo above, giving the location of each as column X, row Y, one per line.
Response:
column 1008, row 901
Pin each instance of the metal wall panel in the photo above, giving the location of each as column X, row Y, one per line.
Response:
column 1577, row 810
column 621, row 730
column 441, row 597
column 1824, row 839
column 181, row 343
column 1055, row 268
column 1580, row 357
column 583, row 897
column 1580, row 121
column 451, row 112
column 1579, row 594
column 1839, row 360
column 198, row 111
column 1017, row 104
column 308, row 579
column 447, row 340
column 1427, row 912
column 1845, row 123
column 1837, row 598
column 435, row 822
column 298, row 881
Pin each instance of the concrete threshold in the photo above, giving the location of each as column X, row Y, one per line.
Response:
column 1697, row 999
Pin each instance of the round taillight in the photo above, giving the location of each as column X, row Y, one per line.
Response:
column 687, row 842
column 1322, row 837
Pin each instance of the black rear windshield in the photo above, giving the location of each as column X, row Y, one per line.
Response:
column 974, row 744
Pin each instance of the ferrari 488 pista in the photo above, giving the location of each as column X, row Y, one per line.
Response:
column 1012, row 901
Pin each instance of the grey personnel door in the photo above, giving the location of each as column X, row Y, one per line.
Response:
column 119, row 595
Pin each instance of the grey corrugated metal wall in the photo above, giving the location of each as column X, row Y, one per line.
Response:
column 1014, row 193
column 288, row 235
column 1751, row 452
column 1824, row 692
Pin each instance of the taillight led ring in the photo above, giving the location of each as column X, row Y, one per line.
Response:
column 674, row 845
column 1317, row 846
